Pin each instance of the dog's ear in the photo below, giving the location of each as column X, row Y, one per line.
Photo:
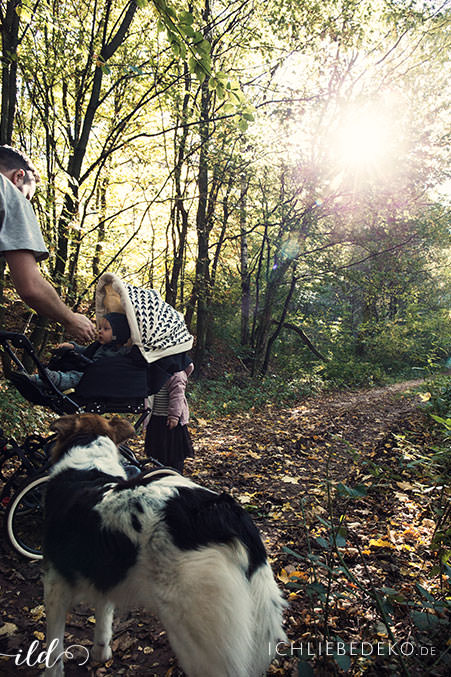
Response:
column 120, row 429
column 64, row 426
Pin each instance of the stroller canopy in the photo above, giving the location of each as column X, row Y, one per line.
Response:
column 157, row 329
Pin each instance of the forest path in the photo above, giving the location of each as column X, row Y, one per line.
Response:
column 287, row 437
column 275, row 462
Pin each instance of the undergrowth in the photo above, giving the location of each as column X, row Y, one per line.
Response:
column 235, row 393
column 18, row 417
column 406, row 630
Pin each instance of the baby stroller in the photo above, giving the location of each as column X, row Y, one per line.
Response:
column 120, row 384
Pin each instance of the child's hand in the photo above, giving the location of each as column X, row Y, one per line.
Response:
column 172, row 422
column 66, row 344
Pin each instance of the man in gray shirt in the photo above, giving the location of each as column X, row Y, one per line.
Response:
column 22, row 245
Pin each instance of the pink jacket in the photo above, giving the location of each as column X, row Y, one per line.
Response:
column 178, row 406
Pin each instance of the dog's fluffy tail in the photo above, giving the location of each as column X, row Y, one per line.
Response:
column 268, row 605
column 221, row 623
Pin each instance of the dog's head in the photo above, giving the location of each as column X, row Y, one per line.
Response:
column 69, row 429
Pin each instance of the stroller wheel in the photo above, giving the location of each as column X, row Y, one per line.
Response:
column 24, row 518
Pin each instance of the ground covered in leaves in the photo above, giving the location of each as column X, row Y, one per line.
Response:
column 342, row 490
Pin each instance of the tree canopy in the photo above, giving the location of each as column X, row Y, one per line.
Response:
column 290, row 160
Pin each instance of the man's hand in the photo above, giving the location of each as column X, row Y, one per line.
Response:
column 80, row 327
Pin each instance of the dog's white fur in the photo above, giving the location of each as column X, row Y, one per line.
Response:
column 219, row 622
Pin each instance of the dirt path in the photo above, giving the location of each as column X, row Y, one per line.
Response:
column 275, row 463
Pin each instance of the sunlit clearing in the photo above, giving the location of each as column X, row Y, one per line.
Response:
column 362, row 141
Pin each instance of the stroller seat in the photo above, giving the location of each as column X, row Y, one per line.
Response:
column 119, row 384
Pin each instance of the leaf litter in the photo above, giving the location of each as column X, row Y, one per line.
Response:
column 286, row 467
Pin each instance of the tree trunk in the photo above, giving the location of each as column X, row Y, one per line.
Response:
column 179, row 215
column 202, row 264
column 244, row 268
column 100, row 233
column 273, row 337
column 265, row 319
column 10, row 40
column 70, row 206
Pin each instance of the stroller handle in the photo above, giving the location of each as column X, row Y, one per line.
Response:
column 16, row 339
column 55, row 399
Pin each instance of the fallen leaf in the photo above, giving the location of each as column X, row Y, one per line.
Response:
column 8, row 629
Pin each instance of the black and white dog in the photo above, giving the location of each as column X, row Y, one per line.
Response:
column 190, row 555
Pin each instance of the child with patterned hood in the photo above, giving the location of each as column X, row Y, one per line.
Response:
column 113, row 335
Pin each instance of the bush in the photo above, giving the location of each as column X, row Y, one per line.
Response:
column 234, row 393
column 439, row 402
column 417, row 340
column 19, row 417
column 353, row 373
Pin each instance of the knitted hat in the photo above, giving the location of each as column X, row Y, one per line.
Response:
column 120, row 327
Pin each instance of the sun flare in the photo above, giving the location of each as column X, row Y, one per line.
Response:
column 362, row 141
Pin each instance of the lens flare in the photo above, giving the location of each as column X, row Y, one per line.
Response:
column 362, row 140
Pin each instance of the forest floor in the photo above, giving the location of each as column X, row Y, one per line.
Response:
column 341, row 458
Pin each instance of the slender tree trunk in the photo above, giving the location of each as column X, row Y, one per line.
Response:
column 82, row 132
column 9, row 28
column 258, row 281
column 264, row 323
column 244, row 271
column 273, row 337
column 202, row 264
column 100, row 233
column 10, row 21
column 179, row 214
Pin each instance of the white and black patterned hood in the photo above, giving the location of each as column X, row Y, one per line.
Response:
column 156, row 328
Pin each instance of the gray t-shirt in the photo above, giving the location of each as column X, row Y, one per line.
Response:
column 19, row 228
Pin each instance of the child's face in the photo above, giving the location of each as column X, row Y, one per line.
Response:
column 105, row 332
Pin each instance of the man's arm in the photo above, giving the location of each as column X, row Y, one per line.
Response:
column 42, row 297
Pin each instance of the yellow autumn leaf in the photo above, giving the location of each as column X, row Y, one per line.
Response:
column 283, row 576
column 290, row 480
column 39, row 635
column 38, row 612
column 425, row 397
column 381, row 543
column 246, row 497
column 8, row 629
column 254, row 454
column 404, row 485
column 292, row 576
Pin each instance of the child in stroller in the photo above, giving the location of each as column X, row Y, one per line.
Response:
column 113, row 335
column 117, row 384
column 157, row 348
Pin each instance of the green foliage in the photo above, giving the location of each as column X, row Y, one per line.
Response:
column 19, row 417
column 330, row 580
column 439, row 402
column 240, row 393
column 194, row 47
column 351, row 372
column 416, row 338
